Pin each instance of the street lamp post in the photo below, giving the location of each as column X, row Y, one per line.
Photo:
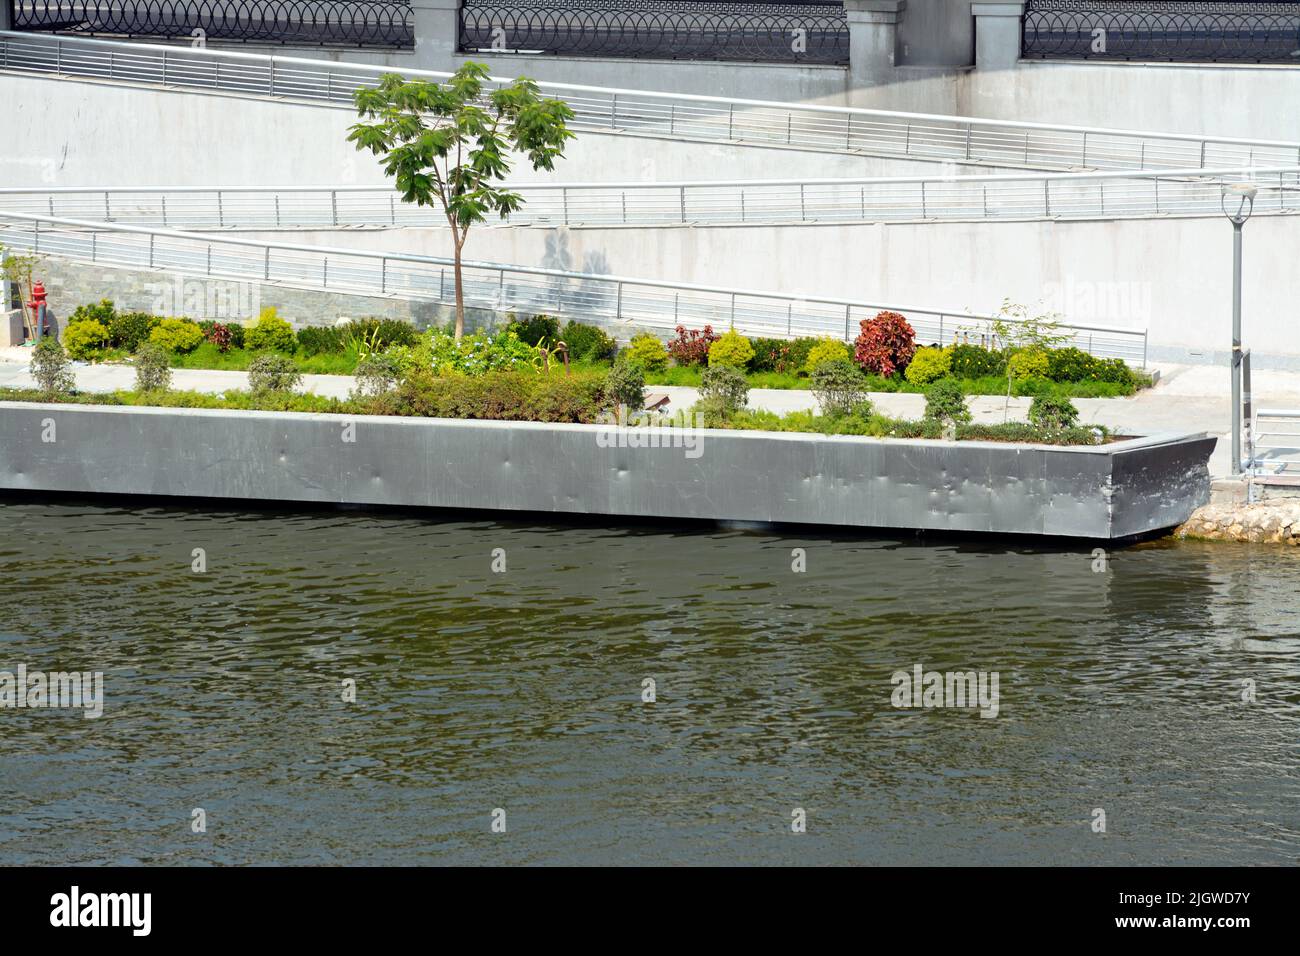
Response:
column 1238, row 201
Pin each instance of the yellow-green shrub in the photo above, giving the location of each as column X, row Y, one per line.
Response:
column 270, row 332
column 83, row 339
column 928, row 365
column 177, row 335
column 648, row 352
column 826, row 350
column 1028, row 363
column 732, row 349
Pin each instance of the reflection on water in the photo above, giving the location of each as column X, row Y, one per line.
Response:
column 522, row 690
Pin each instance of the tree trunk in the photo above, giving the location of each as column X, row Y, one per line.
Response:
column 460, row 299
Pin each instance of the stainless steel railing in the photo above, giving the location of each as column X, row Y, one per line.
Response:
column 672, row 115
column 1016, row 197
column 617, row 301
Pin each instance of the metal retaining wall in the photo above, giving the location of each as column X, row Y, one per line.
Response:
column 1118, row 490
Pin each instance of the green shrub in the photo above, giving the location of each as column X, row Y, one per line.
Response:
column 130, row 330
column 825, row 350
column 153, row 371
column 475, row 354
column 944, row 402
column 625, row 384
column 102, row 312
column 50, row 368
column 377, row 373
column 839, row 387
column 270, row 333
column 1048, row 412
column 270, row 372
column 724, row 385
column 647, row 351
column 321, row 340
column 975, row 361
column 83, row 339
column 779, row 355
column 731, row 349
column 1071, row 365
column 177, row 335
column 379, row 334
column 928, row 365
column 533, row 329
column 1028, row 363
column 497, row 395
column 1116, row 371
column 588, row 342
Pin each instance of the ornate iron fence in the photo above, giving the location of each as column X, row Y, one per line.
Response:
column 786, row 32
column 362, row 23
column 1222, row 31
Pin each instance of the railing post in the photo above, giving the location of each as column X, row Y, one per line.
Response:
column 383, row 276
column 682, row 203
column 436, row 26
column 221, row 218
column 266, row 262
column 997, row 34
column 618, row 300
column 846, row 321
column 613, row 109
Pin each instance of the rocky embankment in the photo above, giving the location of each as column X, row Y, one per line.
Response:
column 1266, row 522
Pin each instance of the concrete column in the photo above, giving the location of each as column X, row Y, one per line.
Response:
column 873, row 36
column 997, row 34
column 437, row 26
column 6, row 15
column 937, row 33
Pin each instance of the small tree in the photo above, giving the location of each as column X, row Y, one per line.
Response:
column 1016, row 329
column 50, row 368
column 18, row 270
column 447, row 144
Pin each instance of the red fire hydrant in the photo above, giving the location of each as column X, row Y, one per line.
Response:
column 36, row 306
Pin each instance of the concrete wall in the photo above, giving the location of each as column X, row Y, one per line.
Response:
column 1172, row 277
column 1111, row 491
column 87, row 134
column 1245, row 100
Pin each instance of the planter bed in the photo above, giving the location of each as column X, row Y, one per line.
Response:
column 1116, row 490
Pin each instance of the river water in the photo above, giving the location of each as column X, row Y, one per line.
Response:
column 516, row 696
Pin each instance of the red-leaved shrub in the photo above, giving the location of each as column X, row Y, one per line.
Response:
column 886, row 344
column 691, row 347
column 220, row 336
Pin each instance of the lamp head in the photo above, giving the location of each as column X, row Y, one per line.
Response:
column 1238, row 201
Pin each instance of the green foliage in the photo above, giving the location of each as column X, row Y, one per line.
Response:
column 588, row 342
column 83, row 339
column 648, row 352
column 839, row 387
column 270, row 333
column 102, row 312
column 928, row 365
column 780, row 355
column 130, row 330
column 152, row 368
column 50, row 368
column 377, row 373
column 1117, row 372
column 975, row 361
column 321, row 339
column 723, row 386
column 533, row 329
column 449, row 144
column 1071, row 365
column 177, row 335
column 497, row 395
column 944, row 402
column 270, row 372
column 825, row 350
column 625, row 384
column 731, row 349
column 476, row 354
column 1047, row 412
column 1027, row 363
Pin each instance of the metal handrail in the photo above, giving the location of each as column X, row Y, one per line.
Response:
column 684, row 116
column 1275, row 447
column 619, row 300
column 1054, row 195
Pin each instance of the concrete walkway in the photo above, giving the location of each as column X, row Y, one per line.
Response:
column 1188, row 398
